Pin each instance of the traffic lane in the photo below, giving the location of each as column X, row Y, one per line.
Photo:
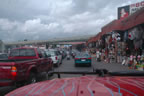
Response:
column 69, row 66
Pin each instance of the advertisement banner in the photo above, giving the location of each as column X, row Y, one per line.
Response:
column 125, row 11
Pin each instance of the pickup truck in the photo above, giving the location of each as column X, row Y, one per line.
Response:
column 23, row 65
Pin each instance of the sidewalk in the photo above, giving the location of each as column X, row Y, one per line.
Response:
column 110, row 66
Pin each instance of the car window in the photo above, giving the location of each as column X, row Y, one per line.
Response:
column 52, row 53
column 3, row 56
column 43, row 54
column 22, row 52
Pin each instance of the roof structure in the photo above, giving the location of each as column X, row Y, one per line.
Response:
column 129, row 22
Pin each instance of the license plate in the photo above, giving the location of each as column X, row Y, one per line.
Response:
column 83, row 60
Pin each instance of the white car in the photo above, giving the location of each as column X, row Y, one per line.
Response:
column 55, row 56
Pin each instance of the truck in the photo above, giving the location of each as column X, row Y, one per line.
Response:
column 23, row 65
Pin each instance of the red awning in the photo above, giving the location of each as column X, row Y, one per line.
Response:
column 121, row 25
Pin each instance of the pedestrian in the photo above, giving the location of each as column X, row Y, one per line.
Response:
column 98, row 55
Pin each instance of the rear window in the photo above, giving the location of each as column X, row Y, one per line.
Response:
column 52, row 53
column 22, row 52
column 3, row 56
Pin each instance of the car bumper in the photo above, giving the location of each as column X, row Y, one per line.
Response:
column 55, row 62
column 6, row 83
column 80, row 62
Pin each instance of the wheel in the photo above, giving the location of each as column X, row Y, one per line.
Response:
column 57, row 64
column 32, row 78
column 19, row 84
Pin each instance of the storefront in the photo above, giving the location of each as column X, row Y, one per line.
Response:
column 122, row 41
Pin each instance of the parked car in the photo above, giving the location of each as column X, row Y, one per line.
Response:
column 82, row 59
column 23, row 65
column 56, row 56
column 3, row 56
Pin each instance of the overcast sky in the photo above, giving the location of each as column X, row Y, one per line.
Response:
column 46, row 19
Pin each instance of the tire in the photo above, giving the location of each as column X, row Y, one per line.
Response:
column 32, row 78
column 19, row 84
column 56, row 65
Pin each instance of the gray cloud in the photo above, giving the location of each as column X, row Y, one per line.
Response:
column 45, row 19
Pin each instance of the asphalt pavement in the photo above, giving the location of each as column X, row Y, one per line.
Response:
column 68, row 65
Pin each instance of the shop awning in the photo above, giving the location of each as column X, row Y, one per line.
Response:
column 121, row 25
column 112, row 26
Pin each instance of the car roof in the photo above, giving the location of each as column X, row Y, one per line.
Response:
column 84, row 86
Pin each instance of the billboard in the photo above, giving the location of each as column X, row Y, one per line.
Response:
column 125, row 11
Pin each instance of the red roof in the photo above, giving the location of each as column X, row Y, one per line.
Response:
column 114, row 25
column 125, row 24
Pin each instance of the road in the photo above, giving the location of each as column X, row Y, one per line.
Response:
column 68, row 65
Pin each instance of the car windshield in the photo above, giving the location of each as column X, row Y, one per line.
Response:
column 71, row 39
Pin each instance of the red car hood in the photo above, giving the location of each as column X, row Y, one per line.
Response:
column 84, row 86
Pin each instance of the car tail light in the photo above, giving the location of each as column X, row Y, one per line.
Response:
column 89, row 58
column 56, row 57
column 13, row 71
column 76, row 58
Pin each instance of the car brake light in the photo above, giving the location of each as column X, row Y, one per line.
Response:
column 89, row 58
column 56, row 58
column 13, row 71
column 76, row 58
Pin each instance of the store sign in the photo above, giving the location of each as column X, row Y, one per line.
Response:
column 135, row 7
column 125, row 11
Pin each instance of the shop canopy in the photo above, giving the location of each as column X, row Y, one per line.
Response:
column 125, row 24
column 95, row 38
column 112, row 26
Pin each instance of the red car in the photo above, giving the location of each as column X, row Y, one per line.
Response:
column 85, row 86
column 23, row 65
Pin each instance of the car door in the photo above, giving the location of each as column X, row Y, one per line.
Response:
column 59, row 56
column 45, row 61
